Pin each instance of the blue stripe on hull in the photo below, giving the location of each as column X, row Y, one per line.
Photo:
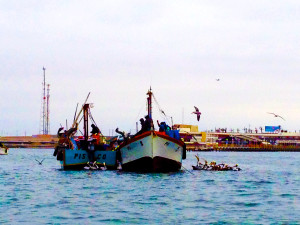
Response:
column 77, row 159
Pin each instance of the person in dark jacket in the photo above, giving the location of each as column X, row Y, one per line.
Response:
column 148, row 123
column 95, row 129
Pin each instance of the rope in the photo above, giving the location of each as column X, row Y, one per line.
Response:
column 136, row 119
column 181, row 163
column 91, row 117
column 161, row 111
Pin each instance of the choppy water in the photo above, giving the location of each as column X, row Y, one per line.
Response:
column 265, row 191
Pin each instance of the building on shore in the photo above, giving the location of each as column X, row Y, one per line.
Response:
column 221, row 140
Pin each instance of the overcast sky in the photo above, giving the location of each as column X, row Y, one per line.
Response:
column 118, row 49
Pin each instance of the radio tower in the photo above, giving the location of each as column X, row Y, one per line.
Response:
column 44, row 122
column 48, row 110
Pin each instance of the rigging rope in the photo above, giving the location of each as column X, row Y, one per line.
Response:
column 161, row 111
column 94, row 122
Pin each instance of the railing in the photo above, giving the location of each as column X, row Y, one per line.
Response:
column 224, row 147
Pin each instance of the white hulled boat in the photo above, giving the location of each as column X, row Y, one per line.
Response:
column 3, row 149
column 153, row 151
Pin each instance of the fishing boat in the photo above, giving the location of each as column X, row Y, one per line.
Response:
column 150, row 150
column 3, row 149
column 87, row 151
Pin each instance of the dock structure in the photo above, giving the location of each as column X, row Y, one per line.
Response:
column 35, row 141
column 236, row 141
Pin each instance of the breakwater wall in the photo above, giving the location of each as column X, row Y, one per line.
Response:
column 35, row 141
column 251, row 149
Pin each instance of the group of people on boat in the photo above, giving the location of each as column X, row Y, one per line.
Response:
column 213, row 166
column 146, row 125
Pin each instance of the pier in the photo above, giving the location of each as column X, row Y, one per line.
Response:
column 236, row 141
column 35, row 141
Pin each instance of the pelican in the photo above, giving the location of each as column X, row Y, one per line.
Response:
column 276, row 115
column 197, row 113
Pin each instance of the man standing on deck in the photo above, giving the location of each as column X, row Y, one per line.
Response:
column 95, row 129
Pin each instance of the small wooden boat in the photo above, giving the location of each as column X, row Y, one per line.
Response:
column 76, row 153
column 3, row 149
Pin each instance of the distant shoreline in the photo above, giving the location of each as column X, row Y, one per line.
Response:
column 35, row 141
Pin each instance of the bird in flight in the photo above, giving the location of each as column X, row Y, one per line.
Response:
column 218, row 79
column 276, row 115
column 197, row 113
column 40, row 162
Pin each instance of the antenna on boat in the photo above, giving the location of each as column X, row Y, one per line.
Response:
column 149, row 101
column 86, row 122
column 75, row 121
column 75, row 112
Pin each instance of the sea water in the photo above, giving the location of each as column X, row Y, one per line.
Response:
column 266, row 190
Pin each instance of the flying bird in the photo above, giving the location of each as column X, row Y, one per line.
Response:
column 218, row 79
column 197, row 113
column 40, row 162
column 276, row 115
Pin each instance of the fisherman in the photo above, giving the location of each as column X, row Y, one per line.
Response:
column 59, row 134
column 143, row 127
column 95, row 129
column 122, row 133
column 72, row 130
column 163, row 126
column 61, row 141
column 142, row 122
column 148, row 123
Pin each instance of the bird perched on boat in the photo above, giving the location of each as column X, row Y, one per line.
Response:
column 276, row 115
column 197, row 113
column 103, row 167
column 40, row 162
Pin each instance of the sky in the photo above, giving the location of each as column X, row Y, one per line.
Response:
column 116, row 50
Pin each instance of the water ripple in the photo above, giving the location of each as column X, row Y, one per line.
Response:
column 49, row 195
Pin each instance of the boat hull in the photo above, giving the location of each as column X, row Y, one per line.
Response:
column 77, row 159
column 3, row 151
column 152, row 152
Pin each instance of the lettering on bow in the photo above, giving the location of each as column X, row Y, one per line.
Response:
column 79, row 156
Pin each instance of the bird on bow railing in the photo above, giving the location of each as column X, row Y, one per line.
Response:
column 197, row 112
column 276, row 115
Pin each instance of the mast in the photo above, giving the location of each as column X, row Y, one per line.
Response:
column 86, row 122
column 149, row 101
